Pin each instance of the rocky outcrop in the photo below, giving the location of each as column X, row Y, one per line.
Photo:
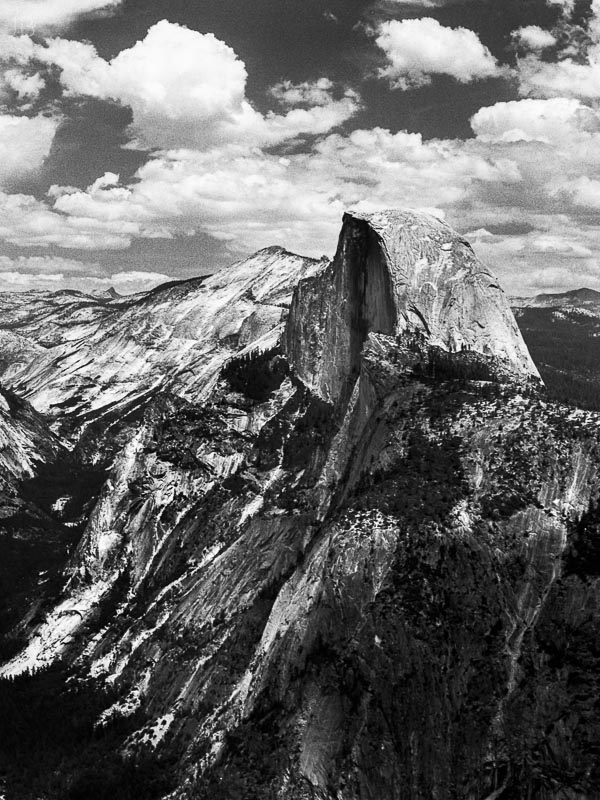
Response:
column 95, row 358
column 346, row 570
column 398, row 273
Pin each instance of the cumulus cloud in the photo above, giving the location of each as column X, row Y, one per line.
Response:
column 248, row 199
column 566, row 78
column 548, row 120
column 527, row 184
column 416, row 49
column 26, row 221
column 252, row 199
column 534, row 262
column 575, row 72
column 31, row 16
column 310, row 93
column 534, row 38
column 24, row 144
column 26, row 86
column 187, row 89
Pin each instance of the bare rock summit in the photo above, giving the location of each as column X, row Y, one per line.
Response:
column 400, row 273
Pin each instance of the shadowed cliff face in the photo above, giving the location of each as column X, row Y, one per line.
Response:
column 34, row 546
column 398, row 273
column 362, row 566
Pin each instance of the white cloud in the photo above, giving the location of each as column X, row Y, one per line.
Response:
column 187, row 89
column 534, row 262
column 250, row 199
column 585, row 192
column 566, row 78
column 534, row 38
column 32, row 16
column 533, row 163
column 26, row 221
column 253, row 199
column 567, row 5
column 416, row 5
column 549, row 120
column 26, row 86
column 315, row 93
column 55, row 272
column 416, row 49
column 574, row 73
column 37, row 265
column 128, row 282
column 24, row 144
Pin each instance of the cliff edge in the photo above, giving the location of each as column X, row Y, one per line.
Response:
column 400, row 273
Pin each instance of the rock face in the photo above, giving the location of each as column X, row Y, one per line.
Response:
column 350, row 552
column 79, row 358
column 32, row 542
column 396, row 272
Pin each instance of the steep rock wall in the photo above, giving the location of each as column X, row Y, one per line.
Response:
column 398, row 272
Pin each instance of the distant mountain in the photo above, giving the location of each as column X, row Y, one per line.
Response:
column 332, row 538
column 562, row 332
column 575, row 298
column 107, row 294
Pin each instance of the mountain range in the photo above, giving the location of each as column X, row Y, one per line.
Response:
column 302, row 529
column 562, row 332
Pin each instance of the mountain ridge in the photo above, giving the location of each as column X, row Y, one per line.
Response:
column 334, row 564
column 571, row 297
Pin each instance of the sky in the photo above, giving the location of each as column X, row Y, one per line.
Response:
column 147, row 140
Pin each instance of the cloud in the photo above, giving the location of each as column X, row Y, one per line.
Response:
column 575, row 72
column 26, row 86
column 186, row 89
column 566, row 78
column 33, row 16
column 584, row 192
column 415, row 6
column 129, row 282
column 416, row 49
column 567, row 5
column 28, row 222
column 38, row 265
column 249, row 199
column 533, row 37
column 253, row 199
column 54, row 272
column 213, row 172
column 24, row 144
column 532, row 263
column 549, row 120
column 310, row 93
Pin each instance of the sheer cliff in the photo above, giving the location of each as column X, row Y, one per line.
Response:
column 397, row 273
column 354, row 555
